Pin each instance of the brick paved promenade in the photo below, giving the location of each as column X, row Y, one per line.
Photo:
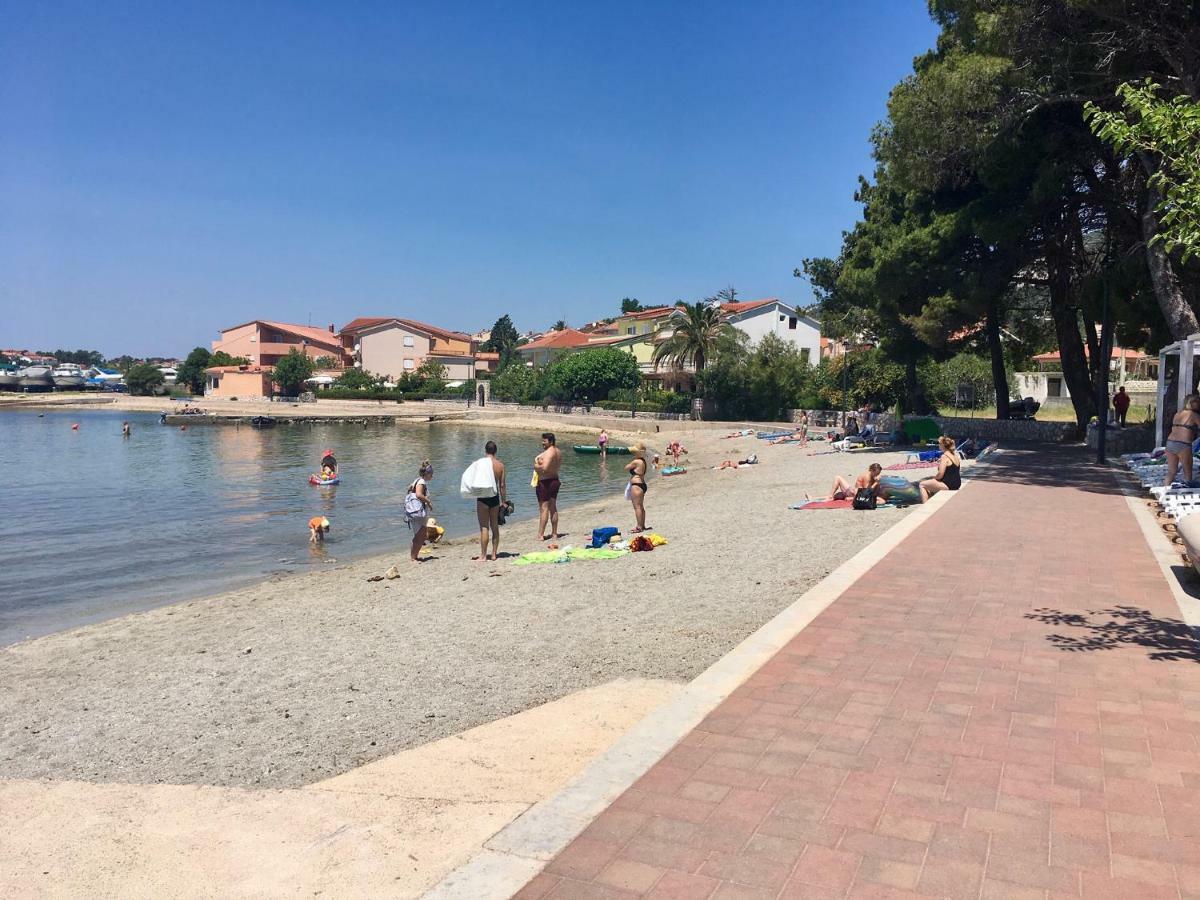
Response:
column 1006, row 707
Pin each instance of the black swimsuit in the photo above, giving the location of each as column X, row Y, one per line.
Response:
column 642, row 485
column 952, row 477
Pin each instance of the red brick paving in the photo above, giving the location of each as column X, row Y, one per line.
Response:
column 1005, row 707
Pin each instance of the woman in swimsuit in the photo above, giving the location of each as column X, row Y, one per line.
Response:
column 949, row 474
column 637, row 484
column 1184, row 427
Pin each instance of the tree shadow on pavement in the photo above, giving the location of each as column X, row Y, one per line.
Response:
column 1169, row 639
column 1048, row 466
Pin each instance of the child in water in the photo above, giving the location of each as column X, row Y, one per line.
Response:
column 318, row 527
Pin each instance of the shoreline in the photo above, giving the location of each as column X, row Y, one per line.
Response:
column 296, row 678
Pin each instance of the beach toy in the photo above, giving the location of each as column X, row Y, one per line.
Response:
column 899, row 491
column 674, row 470
column 75, row 427
column 595, row 449
column 321, row 482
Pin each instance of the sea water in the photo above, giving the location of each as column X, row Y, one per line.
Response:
column 97, row 525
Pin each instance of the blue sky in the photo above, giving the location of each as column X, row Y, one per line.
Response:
column 170, row 169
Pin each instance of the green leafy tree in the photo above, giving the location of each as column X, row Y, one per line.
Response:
column 695, row 337
column 357, row 380
column 292, row 371
column 589, row 375
column 191, row 373
column 221, row 358
column 433, row 374
column 630, row 305
column 1165, row 132
column 560, row 325
column 143, row 379
column 516, row 383
column 503, row 340
column 326, row 362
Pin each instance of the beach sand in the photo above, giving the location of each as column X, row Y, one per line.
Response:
column 304, row 677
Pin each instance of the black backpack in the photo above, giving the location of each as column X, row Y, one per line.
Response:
column 864, row 498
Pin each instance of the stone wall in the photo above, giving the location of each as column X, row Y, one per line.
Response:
column 1134, row 439
column 565, row 409
column 1005, row 430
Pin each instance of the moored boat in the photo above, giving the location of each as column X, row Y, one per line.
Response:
column 68, row 375
column 9, row 379
column 593, row 448
column 35, row 378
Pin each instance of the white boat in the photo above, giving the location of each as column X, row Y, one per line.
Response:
column 9, row 379
column 35, row 378
column 68, row 375
column 170, row 373
column 105, row 376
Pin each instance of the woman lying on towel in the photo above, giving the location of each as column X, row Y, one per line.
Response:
column 842, row 488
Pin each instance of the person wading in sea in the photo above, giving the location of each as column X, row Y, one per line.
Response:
column 545, row 468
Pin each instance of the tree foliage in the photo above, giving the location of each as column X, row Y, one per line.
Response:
column 591, row 374
column 630, row 305
column 503, row 340
column 1168, row 129
column 357, row 380
column 191, row 373
column 221, row 358
column 292, row 371
column 143, row 379
column 694, row 337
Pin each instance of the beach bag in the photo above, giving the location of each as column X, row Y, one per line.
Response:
column 864, row 498
column 601, row 536
column 414, row 508
column 479, row 480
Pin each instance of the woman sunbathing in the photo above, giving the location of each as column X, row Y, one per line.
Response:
column 842, row 488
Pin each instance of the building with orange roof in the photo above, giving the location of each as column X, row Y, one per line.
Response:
column 542, row 350
column 223, row 382
column 264, row 342
column 393, row 346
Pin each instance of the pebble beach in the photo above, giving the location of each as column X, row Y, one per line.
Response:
column 302, row 677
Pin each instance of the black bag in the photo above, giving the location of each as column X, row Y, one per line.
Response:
column 864, row 498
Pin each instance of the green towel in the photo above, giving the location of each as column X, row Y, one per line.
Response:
column 553, row 556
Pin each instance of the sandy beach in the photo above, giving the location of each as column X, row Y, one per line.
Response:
column 303, row 677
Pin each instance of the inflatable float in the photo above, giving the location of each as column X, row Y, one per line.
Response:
column 673, row 470
column 593, row 448
column 322, row 482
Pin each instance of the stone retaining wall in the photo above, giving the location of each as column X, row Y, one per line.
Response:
column 565, row 409
column 1002, row 430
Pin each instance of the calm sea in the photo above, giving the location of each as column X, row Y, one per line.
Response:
column 97, row 525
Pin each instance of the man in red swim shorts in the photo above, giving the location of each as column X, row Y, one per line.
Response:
column 546, row 465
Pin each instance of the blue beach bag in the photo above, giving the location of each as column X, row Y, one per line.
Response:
column 601, row 536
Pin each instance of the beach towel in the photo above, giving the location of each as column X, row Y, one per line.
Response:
column 479, row 480
column 897, row 467
column 825, row 504
column 568, row 555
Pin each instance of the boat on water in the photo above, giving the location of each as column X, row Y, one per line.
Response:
column 595, row 449
column 262, row 421
column 9, row 379
column 35, row 378
column 68, row 375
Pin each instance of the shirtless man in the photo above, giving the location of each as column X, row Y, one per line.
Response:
column 546, row 464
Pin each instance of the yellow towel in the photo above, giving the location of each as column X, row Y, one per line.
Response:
column 534, row 480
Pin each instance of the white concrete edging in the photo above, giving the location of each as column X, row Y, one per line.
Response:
column 518, row 852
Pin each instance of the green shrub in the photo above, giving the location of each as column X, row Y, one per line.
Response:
column 340, row 393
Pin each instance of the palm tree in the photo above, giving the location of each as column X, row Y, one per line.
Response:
column 560, row 325
column 695, row 336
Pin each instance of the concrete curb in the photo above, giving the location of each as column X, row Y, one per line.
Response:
column 1160, row 548
column 518, row 852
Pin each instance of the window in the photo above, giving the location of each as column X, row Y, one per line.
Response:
column 408, row 363
column 782, row 317
column 804, row 355
column 792, row 323
column 408, row 341
column 1053, row 387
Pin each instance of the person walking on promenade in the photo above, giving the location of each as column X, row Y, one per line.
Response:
column 418, row 506
column 545, row 469
column 1120, row 403
column 637, row 485
column 487, row 509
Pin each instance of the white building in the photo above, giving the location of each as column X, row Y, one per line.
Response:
column 758, row 318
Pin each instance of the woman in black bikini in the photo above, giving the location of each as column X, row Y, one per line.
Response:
column 637, row 485
column 1184, row 426
column 949, row 475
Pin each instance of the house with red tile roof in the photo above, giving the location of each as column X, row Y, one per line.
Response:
column 264, row 342
column 392, row 346
column 542, row 350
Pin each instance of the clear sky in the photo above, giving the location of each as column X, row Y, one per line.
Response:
column 168, row 169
